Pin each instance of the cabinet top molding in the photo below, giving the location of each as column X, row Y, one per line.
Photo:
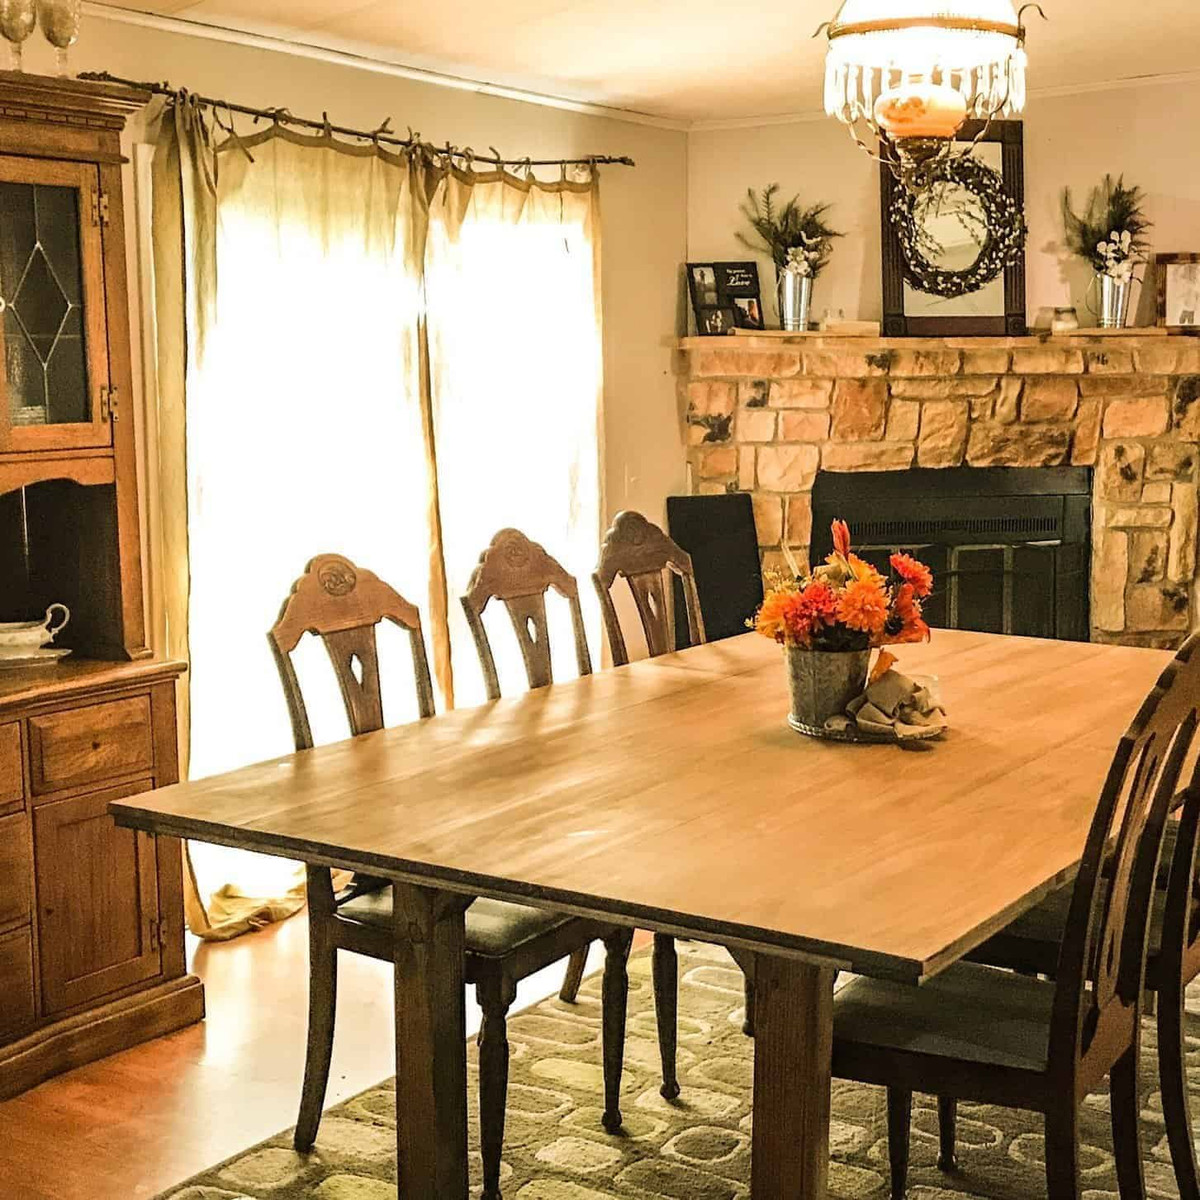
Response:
column 67, row 101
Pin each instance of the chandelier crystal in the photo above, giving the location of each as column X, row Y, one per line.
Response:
column 920, row 68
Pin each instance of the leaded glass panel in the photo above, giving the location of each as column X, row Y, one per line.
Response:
column 41, row 291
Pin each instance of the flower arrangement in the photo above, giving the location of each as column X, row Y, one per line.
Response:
column 846, row 604
column 1110, row 233
column 797, row 238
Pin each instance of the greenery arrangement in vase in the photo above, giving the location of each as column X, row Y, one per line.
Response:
column 1110, row 235
column 799, row 242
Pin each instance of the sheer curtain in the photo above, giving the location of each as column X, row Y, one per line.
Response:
column 375, row 356
column 512, row 283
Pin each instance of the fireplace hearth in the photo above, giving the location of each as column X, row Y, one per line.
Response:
column 1009, row 547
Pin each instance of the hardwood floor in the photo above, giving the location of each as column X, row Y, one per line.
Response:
column 134, row 1124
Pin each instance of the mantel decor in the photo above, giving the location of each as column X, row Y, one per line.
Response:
column 800, row 244
column 945, row 248
column 1109, row 235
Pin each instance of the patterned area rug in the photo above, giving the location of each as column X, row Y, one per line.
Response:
column 697, row 1148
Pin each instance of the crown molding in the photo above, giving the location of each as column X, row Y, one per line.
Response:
column 377, row 66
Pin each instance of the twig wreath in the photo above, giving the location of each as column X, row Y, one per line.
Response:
column 1001, row 222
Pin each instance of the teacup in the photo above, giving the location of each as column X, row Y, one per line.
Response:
column 24, row 637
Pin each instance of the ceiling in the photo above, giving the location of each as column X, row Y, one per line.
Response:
column 680, row 60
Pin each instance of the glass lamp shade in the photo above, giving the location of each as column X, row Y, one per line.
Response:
column 901, row 48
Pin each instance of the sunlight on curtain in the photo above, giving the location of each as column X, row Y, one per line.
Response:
column 304, row 436
column 515, row 352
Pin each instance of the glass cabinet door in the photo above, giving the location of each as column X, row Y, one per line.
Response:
column 52, row 320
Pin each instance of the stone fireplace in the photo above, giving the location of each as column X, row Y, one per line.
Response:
column 766, row 414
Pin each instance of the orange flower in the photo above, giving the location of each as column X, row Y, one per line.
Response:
column 863, row 606
column 913, row 572
column 863, row 570
column 772, row 616
column 841, row 538
column 906, row 613
column 814, row 608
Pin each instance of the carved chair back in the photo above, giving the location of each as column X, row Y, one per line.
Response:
column 519, row 573
column 1103, row 953
column 645, row 557
column 342, row 605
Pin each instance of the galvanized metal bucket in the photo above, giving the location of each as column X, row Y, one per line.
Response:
column 823, row 682
column 795, row 299
column 1114, row 301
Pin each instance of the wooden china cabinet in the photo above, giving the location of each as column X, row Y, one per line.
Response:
column 91, row 916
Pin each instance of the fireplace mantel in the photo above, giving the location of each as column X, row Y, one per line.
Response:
column 764, row 414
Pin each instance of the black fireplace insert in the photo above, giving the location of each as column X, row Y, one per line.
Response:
column 1010, row 547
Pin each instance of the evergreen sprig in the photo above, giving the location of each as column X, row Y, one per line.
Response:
column 789, row 227
column 1112, row 208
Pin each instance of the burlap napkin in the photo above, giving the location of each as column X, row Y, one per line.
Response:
column 892, row 706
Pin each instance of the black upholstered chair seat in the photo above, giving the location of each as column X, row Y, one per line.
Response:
column 1032, row 941
column 969, row 1013
column 494, row 928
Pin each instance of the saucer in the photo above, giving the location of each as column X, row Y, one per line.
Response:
column 45, row 657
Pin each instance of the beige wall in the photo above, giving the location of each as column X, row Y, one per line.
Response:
column 1069, row 140
column 644, row 213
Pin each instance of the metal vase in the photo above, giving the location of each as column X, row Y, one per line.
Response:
column 823, row 682
column 794, row 293
column 1114, row 301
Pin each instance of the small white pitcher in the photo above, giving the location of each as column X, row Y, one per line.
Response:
column 18, row 638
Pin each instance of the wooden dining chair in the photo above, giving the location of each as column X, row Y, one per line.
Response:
column 1033, row 945
column 982, row 1033
column 638, row 551
column 519, row 573
column 342, row 605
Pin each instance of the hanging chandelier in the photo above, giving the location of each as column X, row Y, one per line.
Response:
column 913, row 71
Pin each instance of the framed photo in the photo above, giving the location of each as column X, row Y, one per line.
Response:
column 714, row 321
column 1178, row 277
column 725, row 296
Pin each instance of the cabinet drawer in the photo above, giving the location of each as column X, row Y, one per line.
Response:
column 16, row 996
column 12, row 790
column 86, row 745
column 16, row 869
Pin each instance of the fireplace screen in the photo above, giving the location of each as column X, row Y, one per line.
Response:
column 1010, row 548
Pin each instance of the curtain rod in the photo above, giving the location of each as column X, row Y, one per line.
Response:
column 382, row 135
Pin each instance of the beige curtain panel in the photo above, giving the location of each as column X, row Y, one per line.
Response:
column 324, row 314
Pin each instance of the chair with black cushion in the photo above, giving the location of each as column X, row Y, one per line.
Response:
column 342, row 605
column 719, row 536
column 983, row 1033
column 639, row 552
column 1033, row 945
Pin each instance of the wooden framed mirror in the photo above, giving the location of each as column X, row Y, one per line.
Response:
column 995, row 309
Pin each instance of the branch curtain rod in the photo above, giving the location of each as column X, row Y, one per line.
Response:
column 383, row 134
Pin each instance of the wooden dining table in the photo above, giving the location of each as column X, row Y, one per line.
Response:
column 670, row 795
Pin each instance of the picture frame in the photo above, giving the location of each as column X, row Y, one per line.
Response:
column 1000, row 144
column 1177, row 284
column 725, row 296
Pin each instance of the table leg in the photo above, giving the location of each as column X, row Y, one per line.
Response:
column 431, row 1044
column 793, row 1045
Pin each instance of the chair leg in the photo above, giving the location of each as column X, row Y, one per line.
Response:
column 1062, row 1153
column 665, row 969
column 1123, row 1104
column 947, row 1126
column 899, row 1126
column 495, row 995
column 576, row 965
column 322, row 1006
column 1172, row 1080
column 614, row 1001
